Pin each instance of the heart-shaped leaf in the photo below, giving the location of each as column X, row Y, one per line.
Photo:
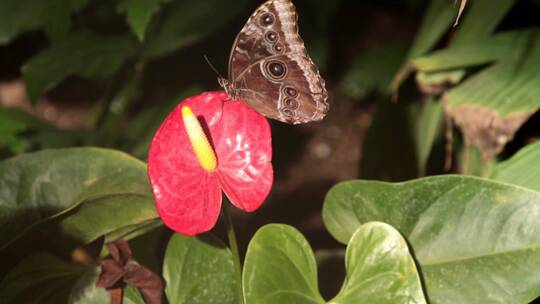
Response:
column 280, row 268
column 199, row 270
column 476, row 240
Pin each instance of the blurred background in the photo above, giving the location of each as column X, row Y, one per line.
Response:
column 106, row 73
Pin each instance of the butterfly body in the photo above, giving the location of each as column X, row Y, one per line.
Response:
column 270, row 70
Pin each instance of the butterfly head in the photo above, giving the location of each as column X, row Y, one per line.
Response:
column 228, row 87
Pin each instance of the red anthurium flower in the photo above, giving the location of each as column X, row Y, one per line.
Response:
column 208, row 144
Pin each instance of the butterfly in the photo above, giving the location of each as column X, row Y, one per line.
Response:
column 270, row 70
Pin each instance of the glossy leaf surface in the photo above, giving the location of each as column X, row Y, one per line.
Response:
column 280, row 268
column 37, row 186
column 477, row 241
column 521, row 169
column 199, row 270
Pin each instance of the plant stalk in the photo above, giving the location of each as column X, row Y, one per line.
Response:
column 233, row 245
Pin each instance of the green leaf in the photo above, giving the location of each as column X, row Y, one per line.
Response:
column 37, row 186
column 490, row 115
column 43, row 278
column 139, row 14
column 109, row 214
column 380, row 268
column 437, row 20
column 477, row 241
column 280, row 268
column 19, row 16
column 12, row 123
column 185, row 22
column 83, row 54
column 521, row 169
column 199, row 270
column 481, row 19
column 132, row 295
column 509, row 45
column 427, row 119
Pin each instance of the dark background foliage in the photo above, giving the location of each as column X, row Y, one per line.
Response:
column 105, row 73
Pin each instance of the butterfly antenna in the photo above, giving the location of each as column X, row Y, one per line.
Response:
column 212, row 66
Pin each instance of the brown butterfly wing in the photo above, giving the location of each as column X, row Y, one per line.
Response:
column 270, row 70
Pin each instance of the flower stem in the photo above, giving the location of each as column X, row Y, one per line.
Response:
column 233, row 245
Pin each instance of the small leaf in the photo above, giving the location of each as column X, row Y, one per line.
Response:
column 280, row 268
column 139, row 14
column 470, row 236
column 83, row 54
column 199, row 270
column 521, row 169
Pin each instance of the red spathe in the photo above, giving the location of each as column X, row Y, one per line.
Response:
column 188, row 198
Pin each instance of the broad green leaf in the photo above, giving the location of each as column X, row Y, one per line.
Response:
column 373, row 70
column 427, row 119
column 199, row 270
column 521, row 169
column 185, row 22
column 83, row 54
column 280, row 268
column 139, row 14
column 43, row 278
column 19, row 16
column 37, row 186
column 477, row 241
column 109, row 214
